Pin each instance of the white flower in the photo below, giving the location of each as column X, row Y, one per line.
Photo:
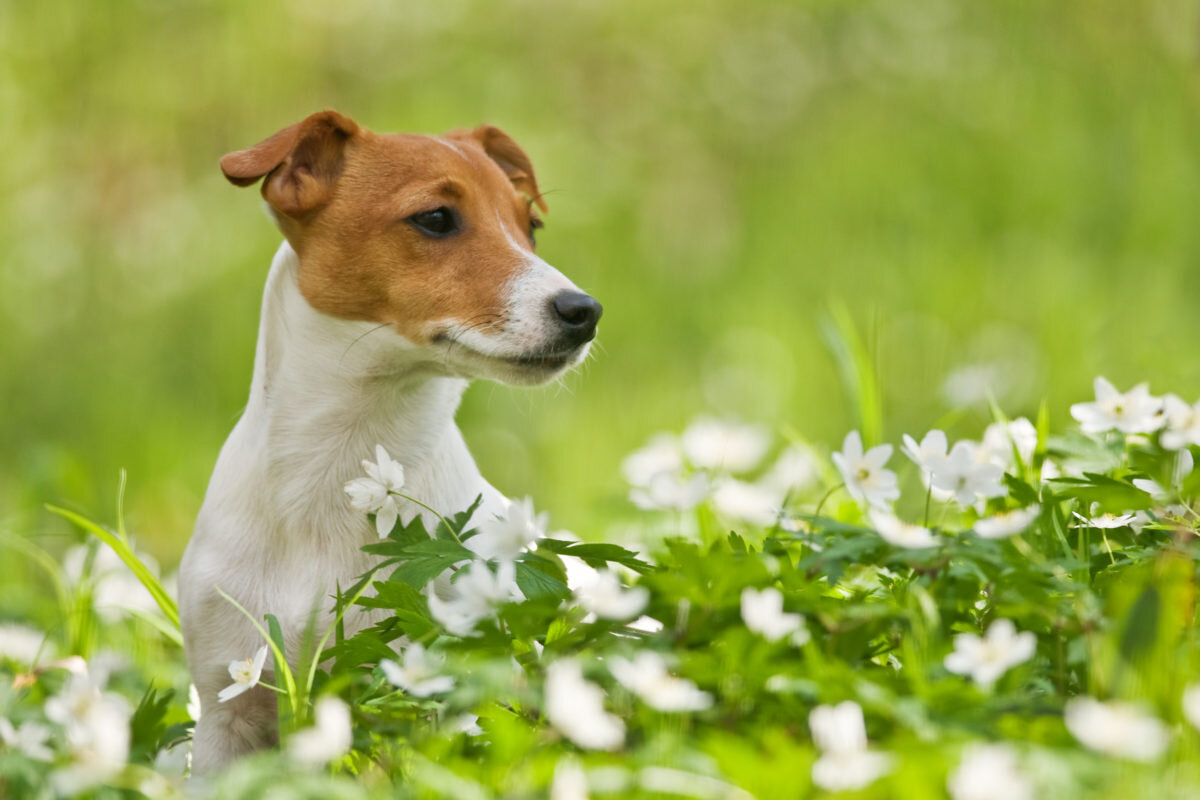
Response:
column 763, row 613
column 23, row 644
column 1116, row 729
column 1050, row 471
column 647, row 677
column 603, row 595
column 459, row 606
column 420, row 674
column 1135, row 411
column 114, row 588
column 1184, row 464
column 377, row 493
column 989, row 772
column 845, row 762
column 747, row 502
column 246, row 675
column 864, row 474
column 932, row 449
column 29, row 739
column 171, row 764
column 1152, row 488
column 965, row 477
column 97, row 732
column 671, row 492
column 896, row 532
column 570, row 781
column 792, row 471
column 1007, row 523
column 660, row 455
column 506, row 537
column 645, row 624
column 1191, row 705
column 1000, row 439
column 385, row 470
column 988, row 657
column 730, row 446
column 1106, row 521
column 575, row 707
column 464, row 723
column 1182, row 423
column 328, row 739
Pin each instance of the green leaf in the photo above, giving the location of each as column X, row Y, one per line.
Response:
column 418, row 572
column 1020, row 491
column 459, row 522
column 147, row 726
column 597, row 555
column 397, row 596
column 1141, row 629
column 276, row 633
column 1113, row 495
column 534, row 583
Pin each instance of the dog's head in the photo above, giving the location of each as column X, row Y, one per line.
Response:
column 432, row 237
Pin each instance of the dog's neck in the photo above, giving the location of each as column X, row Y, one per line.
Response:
column 326, row 391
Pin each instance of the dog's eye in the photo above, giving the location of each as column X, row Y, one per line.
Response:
column 534, row 225
column 436, row 223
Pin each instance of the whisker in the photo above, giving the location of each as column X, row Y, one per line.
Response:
column 360, row 338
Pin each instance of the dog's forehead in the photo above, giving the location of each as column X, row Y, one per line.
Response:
column 414, row 158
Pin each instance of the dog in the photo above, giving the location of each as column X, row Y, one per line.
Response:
column 408, row 268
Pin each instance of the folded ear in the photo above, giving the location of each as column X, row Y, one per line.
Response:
column 509, row 156
column 301, row 163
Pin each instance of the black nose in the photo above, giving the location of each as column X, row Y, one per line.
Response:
column 578, row 314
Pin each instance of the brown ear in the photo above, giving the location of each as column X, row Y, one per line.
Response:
column 512, row 159
column 301, row 162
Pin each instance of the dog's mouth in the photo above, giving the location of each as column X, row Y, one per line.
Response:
column 544, row 361
column 537, row 363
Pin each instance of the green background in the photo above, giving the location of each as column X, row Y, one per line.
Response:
column 1006, row 186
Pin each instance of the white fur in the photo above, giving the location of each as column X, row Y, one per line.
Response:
column 276, row 531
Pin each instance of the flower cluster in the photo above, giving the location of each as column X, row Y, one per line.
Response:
column 713, row 459
column 1033, row 634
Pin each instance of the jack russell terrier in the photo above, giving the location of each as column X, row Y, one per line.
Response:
column 408, row 268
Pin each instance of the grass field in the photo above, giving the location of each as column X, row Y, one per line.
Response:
column 999, row 199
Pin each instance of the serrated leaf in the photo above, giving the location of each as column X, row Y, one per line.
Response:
column 1019, row 490
column 442, row 548
column 534, row 583
column 597, row 555
column 418, row 572
column 458, row 522
column 397, row 596
column 146, row 726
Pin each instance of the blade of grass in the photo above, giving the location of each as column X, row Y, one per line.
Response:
column 856, row 369
column 47, row 562
column 126, row 554
column 159, row 624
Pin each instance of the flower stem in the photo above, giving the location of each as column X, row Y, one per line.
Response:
column 1107, row 546
column 821, row 504
column 433, row 511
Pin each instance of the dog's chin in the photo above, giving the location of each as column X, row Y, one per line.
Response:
column 519, row 369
